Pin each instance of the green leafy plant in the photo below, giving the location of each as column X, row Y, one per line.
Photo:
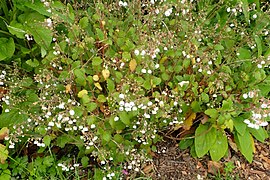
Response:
column 91, row 86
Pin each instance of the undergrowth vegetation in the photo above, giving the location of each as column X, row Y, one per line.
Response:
column 89, row 87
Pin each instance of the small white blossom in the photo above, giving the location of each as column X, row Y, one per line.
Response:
column 254, row 16
column 245, row 96
column 168, row 12
column 143, row 71
column 121, row 96
column 71, row 112
column 51, row 123
column 136, row 52
column 116, row 118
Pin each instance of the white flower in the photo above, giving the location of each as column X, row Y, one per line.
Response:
column 259, row 66
column 263, row 123
column 254, row 16
column 209, row 72
column 157, row 66
column 116, row 118
column 143, row 71
column 161, row 103
column 245, row 96
column 251, row 94
column 121, row 103
column 143, row 52
column 263, row 105
column 149, row 71
column 210, row 62
column 182, row 83
column 228, row 9
column 168, row 12
column 200, row 70
column 71, row 112
column 121, row 96
column 146, row 115
column 149, row 103
column 136, row 52
column 51, row 123
column 61, row 106
column 246, row 121
column 6, row 110
column 93, row 126
column 157, row 11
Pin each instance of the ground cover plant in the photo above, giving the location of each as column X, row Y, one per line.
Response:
column 89, row 87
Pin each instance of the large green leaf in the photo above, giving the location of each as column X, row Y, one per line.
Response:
column 205, row 137
column 219, row 149
column 11, row 118
column 239, row 125
column 260, row 134
column 7, row 48
column 245, row 144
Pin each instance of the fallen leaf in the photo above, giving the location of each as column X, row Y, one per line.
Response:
column 214, row 167
column 233, row 145
column 105, row 73
column 148, row 168
column 132, row 65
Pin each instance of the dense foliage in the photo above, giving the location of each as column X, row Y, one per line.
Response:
column 89, row 87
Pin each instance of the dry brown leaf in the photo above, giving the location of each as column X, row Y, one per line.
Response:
column 233, row 145
column 148, row 168
column 214, row 167
column 68, row 88
column 132, row 65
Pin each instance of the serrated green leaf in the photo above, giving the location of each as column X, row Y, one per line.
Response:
column 33, row 63
column 205, row 137
column 101, row 98
column 84, row 161
column 213, row 113
column 124, row 117
column 106, row 136
column 96, row 61
column 83, row 22
column 220, row 147
column 47, row 140
column 110, row 85
column 7, row 48
column 91, row 106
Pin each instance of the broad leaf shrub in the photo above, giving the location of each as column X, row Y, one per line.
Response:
column 88, row 88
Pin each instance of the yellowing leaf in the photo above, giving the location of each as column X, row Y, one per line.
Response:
column 190, row 117
column 132, row 65
column 193, row 61
column 95, row 78
column 3, row 154
column 82, row 93
column 253, row 145
column 4, row 133
column 98, row 86
column 163, row 60
column 68, row 88
column 105, row 73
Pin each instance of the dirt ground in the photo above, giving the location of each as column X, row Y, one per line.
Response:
column 171, row 163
